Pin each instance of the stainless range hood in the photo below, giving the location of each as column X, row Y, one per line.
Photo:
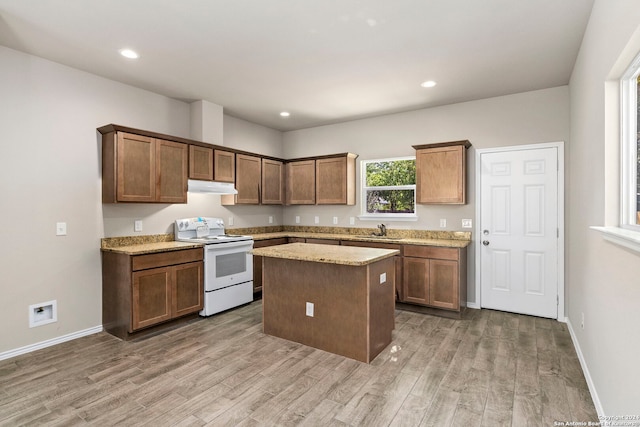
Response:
column 211, row 187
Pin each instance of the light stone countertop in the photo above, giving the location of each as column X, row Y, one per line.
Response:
column 446, row 243
column 344, row 255
column 150, row 248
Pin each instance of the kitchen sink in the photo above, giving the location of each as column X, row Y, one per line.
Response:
column 372, row 237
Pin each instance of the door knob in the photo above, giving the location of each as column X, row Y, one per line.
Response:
column 485, row 242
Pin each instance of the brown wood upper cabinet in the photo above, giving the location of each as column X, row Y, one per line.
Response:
column 441, row 172
column 138, row 168
column 224, row 166
column 272, row 182
column 336, row 180
column 248, row 181
column 200, row 163
column 301, row 182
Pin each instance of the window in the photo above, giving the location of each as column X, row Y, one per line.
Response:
column 389, row 188
column 630, row 170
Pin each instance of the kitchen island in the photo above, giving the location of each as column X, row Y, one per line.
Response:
column 335, row 298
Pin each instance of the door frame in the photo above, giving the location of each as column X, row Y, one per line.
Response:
column 561, row 259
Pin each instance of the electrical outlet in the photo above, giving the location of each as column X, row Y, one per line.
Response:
column 467, row 223
column 310, row 309
column 230, row 222
column 352, row 220
column 137, row 225
column 61, row 228
column 335, row 220
column 297, row 219
column 582, row 322
column 316, row 220
column 383, row 278
column 443, row 222
column 270, row 219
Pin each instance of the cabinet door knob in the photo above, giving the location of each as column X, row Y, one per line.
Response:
column 485, row 242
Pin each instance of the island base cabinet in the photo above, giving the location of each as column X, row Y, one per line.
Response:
column 352, row 314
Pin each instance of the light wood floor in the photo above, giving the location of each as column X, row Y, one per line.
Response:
column 489, row 369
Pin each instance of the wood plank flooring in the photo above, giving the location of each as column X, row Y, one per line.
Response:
column 488, row 369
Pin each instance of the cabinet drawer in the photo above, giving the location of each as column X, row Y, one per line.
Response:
column 269, row 242
column 161, row 259
column 372, row 245
column 432, row 252
column 323, row 241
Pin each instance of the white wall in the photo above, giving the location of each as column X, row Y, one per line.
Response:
column 604, row 279
column 526, row 118
column 50, row 172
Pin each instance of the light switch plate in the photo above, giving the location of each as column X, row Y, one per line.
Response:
column 61, row 228
column 230, row 220
column 335, row 220
column 352, row 220
column 297, row 219
column 316, row 220
column 467, row 223
column 270, row 219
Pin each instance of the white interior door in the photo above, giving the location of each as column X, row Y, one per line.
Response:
column 519, row 231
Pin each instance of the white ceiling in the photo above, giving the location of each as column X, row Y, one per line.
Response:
column 325, row 61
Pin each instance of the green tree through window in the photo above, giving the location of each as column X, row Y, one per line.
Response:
column 390, row 186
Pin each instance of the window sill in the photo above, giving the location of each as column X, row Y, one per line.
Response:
column 384, row 217
column 628, row 238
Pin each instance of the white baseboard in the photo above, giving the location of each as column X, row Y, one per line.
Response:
column 48, row 343
column 585, row 370
column 473, row 305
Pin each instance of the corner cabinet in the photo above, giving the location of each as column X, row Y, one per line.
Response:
column 336, row 180
column 300, row 182
column 435, row 277
column 137, row 168
column 141, row 291
column 441, row 171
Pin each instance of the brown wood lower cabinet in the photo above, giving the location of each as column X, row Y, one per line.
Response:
column 257, row 260
column 435, row 277
column 140, row 291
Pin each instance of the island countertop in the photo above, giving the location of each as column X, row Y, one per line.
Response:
column 344, row 255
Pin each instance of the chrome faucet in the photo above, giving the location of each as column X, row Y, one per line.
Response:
column 382, row 230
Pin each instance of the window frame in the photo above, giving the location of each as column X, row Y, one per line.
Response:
column 629, row 146
column 364, row 215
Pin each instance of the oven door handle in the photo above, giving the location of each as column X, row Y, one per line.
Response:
column 229, row 245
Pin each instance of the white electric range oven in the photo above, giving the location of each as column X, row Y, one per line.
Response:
column 228, row 265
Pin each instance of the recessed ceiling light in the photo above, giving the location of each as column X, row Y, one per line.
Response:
column 285, row 114
column 128, row 53
column 428, row 83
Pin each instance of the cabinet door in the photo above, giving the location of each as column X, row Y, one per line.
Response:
column 224, row 166
column 188, row 288
column 257, row 260
column 444, row 284
column 151, row 297
column 272, row 182
column 440, row 175
column 200, row 163
column 331, row 188
column 248, row 177
column 135, row 166
column 301, row 183
column 171, row 171
column 416, row 280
